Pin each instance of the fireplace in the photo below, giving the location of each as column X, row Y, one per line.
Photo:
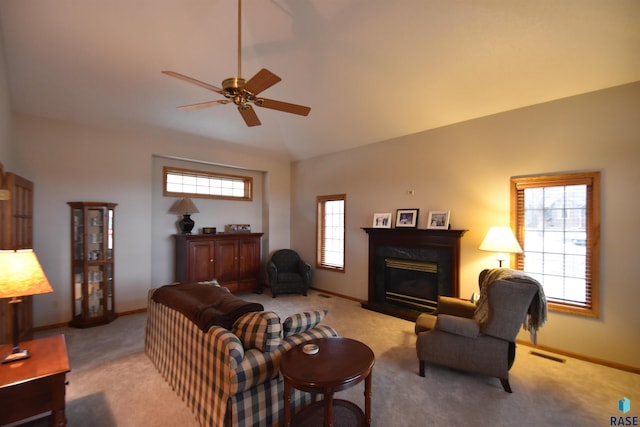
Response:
column 412, row 284
column 410, row 268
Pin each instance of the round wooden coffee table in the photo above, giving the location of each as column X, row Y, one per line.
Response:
column 340, row 363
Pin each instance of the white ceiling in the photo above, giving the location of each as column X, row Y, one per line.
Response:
column 370, row 70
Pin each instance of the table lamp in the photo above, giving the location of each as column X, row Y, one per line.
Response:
column 185, row 207
column 501, row 240
column 20, row 275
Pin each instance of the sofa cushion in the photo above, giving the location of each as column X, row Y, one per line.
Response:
column 289, row 277
column 304, row 321
column 260, row 330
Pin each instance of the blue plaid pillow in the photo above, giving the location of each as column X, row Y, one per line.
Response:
column 301, row 322
column 261, row 330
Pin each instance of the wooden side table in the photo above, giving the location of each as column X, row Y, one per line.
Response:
column 36, row 385
column 339, row 364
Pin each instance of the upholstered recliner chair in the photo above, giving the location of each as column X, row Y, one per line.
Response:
column 288, row 273
column 481, row 338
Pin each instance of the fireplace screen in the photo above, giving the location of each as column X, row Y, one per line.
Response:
column 411, row 283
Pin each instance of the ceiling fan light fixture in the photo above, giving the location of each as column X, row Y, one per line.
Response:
column 233, row 83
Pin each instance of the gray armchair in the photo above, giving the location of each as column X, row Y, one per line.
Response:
column 482, row 340
column 288, row 273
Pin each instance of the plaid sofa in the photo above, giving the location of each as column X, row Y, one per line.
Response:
column 230, row 377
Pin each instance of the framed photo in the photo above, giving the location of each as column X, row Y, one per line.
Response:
column 406, row 218
column 238, row 228
column 438, row 220
column 382, row 220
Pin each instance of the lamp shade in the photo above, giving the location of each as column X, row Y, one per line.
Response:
column 21, row 274
column 500, row 239
column 184, row 206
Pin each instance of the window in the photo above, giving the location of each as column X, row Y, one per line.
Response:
column 557, row 221
column 330, row 232
column 190, row 183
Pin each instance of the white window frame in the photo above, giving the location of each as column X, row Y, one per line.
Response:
column 179, row 182
column 561, row 269
column 331, row 234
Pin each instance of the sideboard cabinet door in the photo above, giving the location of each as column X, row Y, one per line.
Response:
column 227, row 263
column 249, row 264
column 233, row 259
column 201, row 261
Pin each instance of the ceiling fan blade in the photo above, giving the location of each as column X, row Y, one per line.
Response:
column 263, row 79
column 192, row 80
column 283, row 106
column 249, row 115
column 200, row 105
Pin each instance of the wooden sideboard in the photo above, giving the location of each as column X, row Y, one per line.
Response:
column 233, row 259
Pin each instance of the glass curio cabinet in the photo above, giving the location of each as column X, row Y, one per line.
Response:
column 92, row 287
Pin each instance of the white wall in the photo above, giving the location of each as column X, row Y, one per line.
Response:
column 466, row 168
column 71, row 162
column 5, row 111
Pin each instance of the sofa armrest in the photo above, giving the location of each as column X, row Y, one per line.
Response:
column 303, row 267
column 458, row 326
column 456, row 307
column 255, row 368
column 272, row 272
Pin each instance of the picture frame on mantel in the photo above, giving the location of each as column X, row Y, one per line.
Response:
column 407, row 218
column 382, row 220
column 438, row 220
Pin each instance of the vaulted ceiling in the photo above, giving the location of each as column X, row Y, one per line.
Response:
column 370, row 70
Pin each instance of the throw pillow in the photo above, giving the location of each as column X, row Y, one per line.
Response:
column 261, row 330
column 301, row 322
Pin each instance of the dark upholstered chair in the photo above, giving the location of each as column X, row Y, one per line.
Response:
column 288, row 273
column 458, row 337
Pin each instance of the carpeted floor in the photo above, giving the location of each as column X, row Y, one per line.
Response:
column 113, row 383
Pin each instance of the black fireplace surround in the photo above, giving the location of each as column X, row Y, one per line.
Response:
column 410, row 268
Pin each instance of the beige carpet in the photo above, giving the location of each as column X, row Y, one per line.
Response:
column 113, row 383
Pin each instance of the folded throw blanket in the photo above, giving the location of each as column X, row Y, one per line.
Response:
column 205, row 305
column 536, row 314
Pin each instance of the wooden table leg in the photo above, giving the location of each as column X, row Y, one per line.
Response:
column 367, row 398
column 328, row 408
column 59, row 388
column 287, row 404
column 59, row 418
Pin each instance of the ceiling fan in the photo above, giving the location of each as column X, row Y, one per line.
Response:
column 243, row 93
